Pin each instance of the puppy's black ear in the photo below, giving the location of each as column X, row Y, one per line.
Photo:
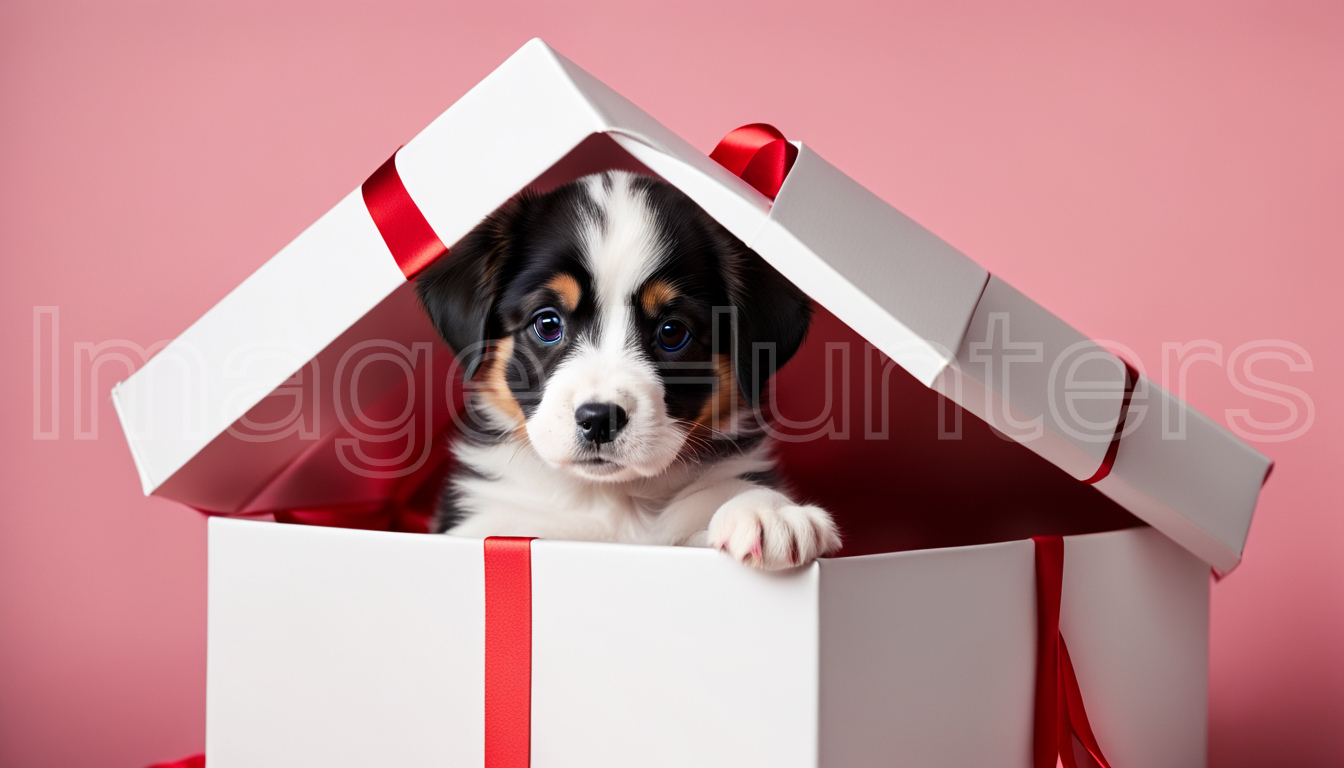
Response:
column 459, row 290
column 772, row 319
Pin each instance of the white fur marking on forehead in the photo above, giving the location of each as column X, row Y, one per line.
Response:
column 621, row 252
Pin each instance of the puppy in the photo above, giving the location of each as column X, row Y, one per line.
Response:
column 617, row 342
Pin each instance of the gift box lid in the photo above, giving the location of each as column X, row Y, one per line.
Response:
column 191, row 413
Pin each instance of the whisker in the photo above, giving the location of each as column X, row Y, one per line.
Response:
column 695, row 424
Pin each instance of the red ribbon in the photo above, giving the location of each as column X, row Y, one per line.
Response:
column 403, row 227
column 1060, row 716
column 195, row 761
column 759, row 154
column 1108, row 461
column 508, row 652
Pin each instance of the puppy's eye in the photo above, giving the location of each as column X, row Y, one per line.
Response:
column 673, row 335
column 548, row 326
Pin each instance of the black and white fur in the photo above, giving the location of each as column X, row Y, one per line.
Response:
column 611, row 432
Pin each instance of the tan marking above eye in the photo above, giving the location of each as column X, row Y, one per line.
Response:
column 655, row 295
column 567, row 288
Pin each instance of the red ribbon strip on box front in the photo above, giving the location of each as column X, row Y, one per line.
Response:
column 508, row 652
column 403, row 227
column 1060, row 716
column 759, row 154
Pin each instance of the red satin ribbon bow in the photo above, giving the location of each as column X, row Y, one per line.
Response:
column 1060, row 716
column 759, row 154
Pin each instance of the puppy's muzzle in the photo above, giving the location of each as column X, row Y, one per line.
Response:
column 599, row 422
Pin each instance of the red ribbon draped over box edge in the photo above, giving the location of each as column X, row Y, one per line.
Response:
column 407, row 233
column 1060, row 716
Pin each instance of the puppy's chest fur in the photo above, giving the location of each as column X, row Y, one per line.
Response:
column 506, row 489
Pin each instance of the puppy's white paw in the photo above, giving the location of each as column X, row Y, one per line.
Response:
column 763, row 529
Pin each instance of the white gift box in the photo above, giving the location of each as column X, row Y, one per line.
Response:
column 360, row 646
column 332, row 647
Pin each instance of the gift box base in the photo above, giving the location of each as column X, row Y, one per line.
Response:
column 335, row 647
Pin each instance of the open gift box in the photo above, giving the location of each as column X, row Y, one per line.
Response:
column 317, row 392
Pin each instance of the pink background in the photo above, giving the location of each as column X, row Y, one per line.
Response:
column 1151, row 174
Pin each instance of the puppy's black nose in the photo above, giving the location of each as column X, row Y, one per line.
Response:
column 599, row 422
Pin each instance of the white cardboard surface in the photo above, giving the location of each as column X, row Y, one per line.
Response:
column 929, row 657
column 1198, row 483
column 666, row 657
column 1135, row 615
column 1035, row 379
column 297, row 303
column 342, row 648
column 331, row 647
column 861, row 259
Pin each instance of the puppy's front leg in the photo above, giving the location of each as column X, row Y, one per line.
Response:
column 761, row 527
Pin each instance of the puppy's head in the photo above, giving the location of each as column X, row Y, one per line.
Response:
column 613, row 324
